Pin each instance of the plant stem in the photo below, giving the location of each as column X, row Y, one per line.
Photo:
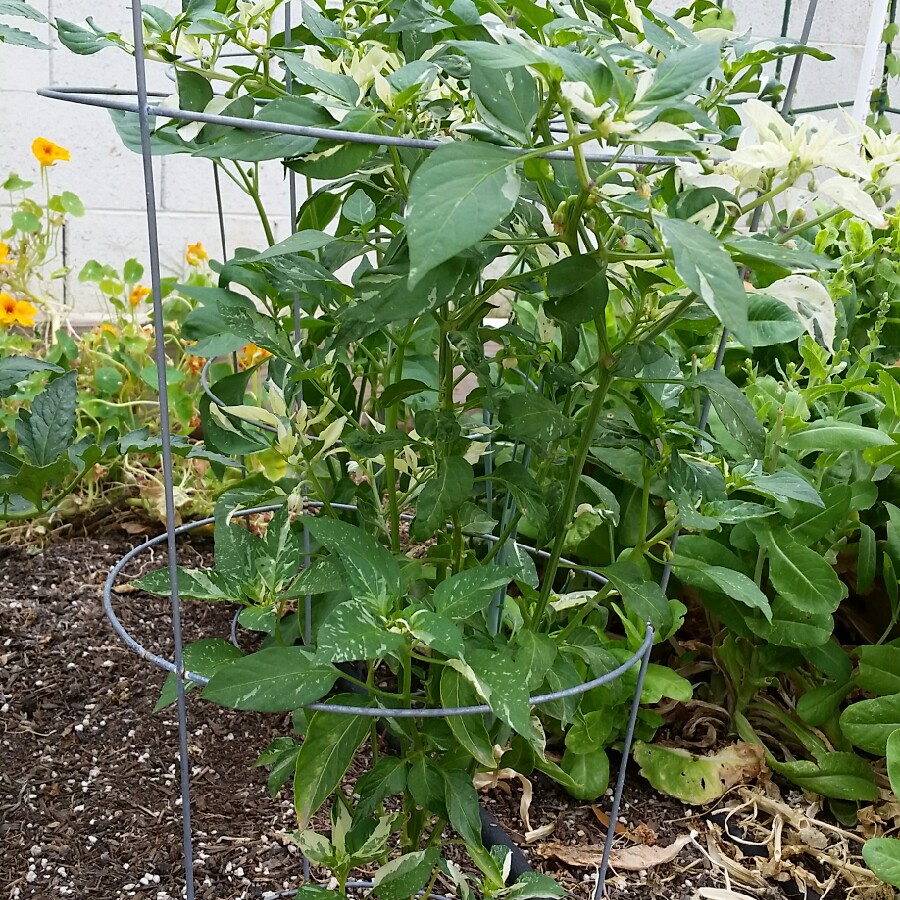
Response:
column 568, row 503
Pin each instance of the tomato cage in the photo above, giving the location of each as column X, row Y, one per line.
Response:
column 872, row 95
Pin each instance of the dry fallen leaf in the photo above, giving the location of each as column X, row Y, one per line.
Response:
column 497, row 779
column 707, row 893
column 631, row 859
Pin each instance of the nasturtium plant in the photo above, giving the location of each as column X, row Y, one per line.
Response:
column 554, row 298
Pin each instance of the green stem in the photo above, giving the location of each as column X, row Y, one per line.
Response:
column 568, row 504
column 504, row 537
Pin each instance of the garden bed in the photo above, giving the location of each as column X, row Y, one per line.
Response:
column 89, row 782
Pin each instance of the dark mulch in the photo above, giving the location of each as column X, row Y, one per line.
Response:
column 89, row 793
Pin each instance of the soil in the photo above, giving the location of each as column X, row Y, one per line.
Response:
column 89, row 780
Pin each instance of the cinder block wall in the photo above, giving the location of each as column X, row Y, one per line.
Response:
column 108, row 177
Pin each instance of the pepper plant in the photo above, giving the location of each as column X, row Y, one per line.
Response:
column 496, row 318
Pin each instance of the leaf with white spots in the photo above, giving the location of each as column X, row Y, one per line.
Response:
column 810, row 302
column 461, row 192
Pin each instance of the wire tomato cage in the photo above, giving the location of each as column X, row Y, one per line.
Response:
column 143, row 103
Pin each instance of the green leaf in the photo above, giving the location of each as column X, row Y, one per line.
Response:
column 882, row 856
column 800, row 575
column 832, row 436
column 866, row 559
column 427, row 786
column 842, row 776
column 893, row 761
column 643, row 597
column 462, row 806
column 15, row 369
column 358, row 208
column 322, row 577
column 469, row 592
column 869, row 723
column 257, row 328
column 386, row 778
column 783, row 486
column 588, row 773
column 325, row 755
column 442, row 497
column 680, row 72
column 749, row 249
column 470, row 731
column 506, row 99
column 386, row 297
column 532, row 418
column 16, row 37
column 461, row 192
column 81, row 40
column 278, row 679
column 437, row 633
column 341, row 86
column 534, row 886
column 194, row 91
column 48, row 429
column 879, row 669
column 405, row 876
column 792, row 627
column 537, row 653
column 372, row 572
column 818, row 706
column 193, row 584
column 317, row 892
column 72, row 204
column 696, row 779
column 257, row 146
column 204, row 657
column 503, row 682
column 26, row 222
column 299, row 242
column 577, row 289
column 810, row 523
column 706, row 268
column 349, row 633
column 719, row 578
column 771, row 322
column 734, row 411
column 22, row 10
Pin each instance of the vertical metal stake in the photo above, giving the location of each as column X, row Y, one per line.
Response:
column 159, row 330
column 623, row 768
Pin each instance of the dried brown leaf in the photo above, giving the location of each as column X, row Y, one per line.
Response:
column 631, row 859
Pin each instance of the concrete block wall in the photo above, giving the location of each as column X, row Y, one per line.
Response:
column 108, row 178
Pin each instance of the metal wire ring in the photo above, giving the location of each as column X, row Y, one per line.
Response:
column 375, row 713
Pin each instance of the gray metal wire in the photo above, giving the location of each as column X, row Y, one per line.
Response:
column 408, row 713
column 165, row 432
column 103, row 98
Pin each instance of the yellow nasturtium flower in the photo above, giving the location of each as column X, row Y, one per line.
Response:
column 138, row 295
column 4, row 255
column 251, row 355
column 196, row 253
column 16, row 312
column 47, row 153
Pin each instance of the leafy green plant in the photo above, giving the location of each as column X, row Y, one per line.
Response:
column 578, row 422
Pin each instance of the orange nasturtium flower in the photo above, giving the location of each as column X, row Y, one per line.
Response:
column 47, row 153
column 138, row 294
column 251, row 355
column 195, row 254
column 109, row 329
column 16, row 312
column 4, row 255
